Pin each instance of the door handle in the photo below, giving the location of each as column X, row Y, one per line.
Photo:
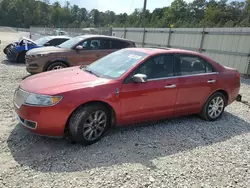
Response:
column 170, row 86
column 98, row 55
column 211, row 81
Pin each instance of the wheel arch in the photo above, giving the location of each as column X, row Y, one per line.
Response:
column 62, row 60
column 106, row 104
column 223, row 91
column 21, row 52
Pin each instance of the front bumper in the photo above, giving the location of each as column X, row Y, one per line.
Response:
column 33, row 68
column 27, row 123
column 32, row 65
column 45, row 121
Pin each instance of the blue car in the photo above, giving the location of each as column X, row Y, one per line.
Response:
column 16, row 51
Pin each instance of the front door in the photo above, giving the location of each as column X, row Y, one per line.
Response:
column 153, row 99
column 197, row 80
column 91, row 52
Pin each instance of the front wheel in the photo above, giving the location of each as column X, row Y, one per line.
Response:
column 88, row 124
column 214, row 107
column 56, row 66
column 5, row 50
column 21, row 57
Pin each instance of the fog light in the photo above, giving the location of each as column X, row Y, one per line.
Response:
column 30, row 124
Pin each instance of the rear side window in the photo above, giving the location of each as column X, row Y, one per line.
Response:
column 117, row 44
column 106, row 44
column 55, row 42
column 191, row 65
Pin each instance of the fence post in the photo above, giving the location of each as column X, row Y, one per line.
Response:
column 125, row 32
column 110, row 31
column 169, row 37
column 143, row 36
column 248, row 69
column 202, row 39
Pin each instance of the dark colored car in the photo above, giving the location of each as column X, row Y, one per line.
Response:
column 80, row 50
column 128, row 86
column 16, row 51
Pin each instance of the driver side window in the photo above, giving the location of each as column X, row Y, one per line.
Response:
column 157, row 67
column 91, row 44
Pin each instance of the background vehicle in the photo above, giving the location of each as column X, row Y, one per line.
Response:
column 128, row 86
column 59, row 32
column 16, row 51
column 81, row 50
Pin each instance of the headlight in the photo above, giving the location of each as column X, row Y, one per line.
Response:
column 38, row 55
column 42, row 100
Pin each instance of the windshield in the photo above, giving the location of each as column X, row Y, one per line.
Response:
column 42, row 41
column 71, row 42
column 116, row 64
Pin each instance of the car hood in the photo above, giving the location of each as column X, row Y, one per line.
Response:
column 60, row 81
column 48, row 49
column 25, row 38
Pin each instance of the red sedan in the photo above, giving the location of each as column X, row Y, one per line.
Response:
column 128, row 86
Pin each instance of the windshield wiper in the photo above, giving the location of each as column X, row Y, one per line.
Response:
column 85, row 68
column 58, row 46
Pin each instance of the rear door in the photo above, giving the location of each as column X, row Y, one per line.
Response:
column 106, row 47
column 111, row 45
column 197, row 79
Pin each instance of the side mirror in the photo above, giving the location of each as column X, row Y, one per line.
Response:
column 140, row 78
column 47, row 44
column 79, row 47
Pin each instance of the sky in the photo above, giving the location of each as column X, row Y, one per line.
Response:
column 118, row 6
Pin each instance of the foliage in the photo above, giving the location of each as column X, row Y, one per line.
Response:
column 199, row 13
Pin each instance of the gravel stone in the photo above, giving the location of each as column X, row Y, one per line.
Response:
column 181, row 152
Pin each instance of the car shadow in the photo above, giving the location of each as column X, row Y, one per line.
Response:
column 138, row 144
column 7, row 62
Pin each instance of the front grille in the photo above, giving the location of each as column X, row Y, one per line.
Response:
column 20, row 97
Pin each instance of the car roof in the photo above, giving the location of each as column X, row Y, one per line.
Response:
column 156, row 50
column 104, row 36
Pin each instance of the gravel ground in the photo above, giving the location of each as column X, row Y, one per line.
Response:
column 183, row 152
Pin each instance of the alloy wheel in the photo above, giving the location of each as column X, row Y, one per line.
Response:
column 94, row 125
column 57, row 67
column 215, row 107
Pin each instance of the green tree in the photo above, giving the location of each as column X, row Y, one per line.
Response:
column 198, row 13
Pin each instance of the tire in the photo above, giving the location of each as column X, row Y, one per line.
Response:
column 80, row 126
column 21, row 57
column 56, row 66
column 6, row 48
column 207, row 112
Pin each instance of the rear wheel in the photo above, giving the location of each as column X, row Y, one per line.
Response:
column 88, row 124
column 56, row 66
column 214, row 107
column 21, row 57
